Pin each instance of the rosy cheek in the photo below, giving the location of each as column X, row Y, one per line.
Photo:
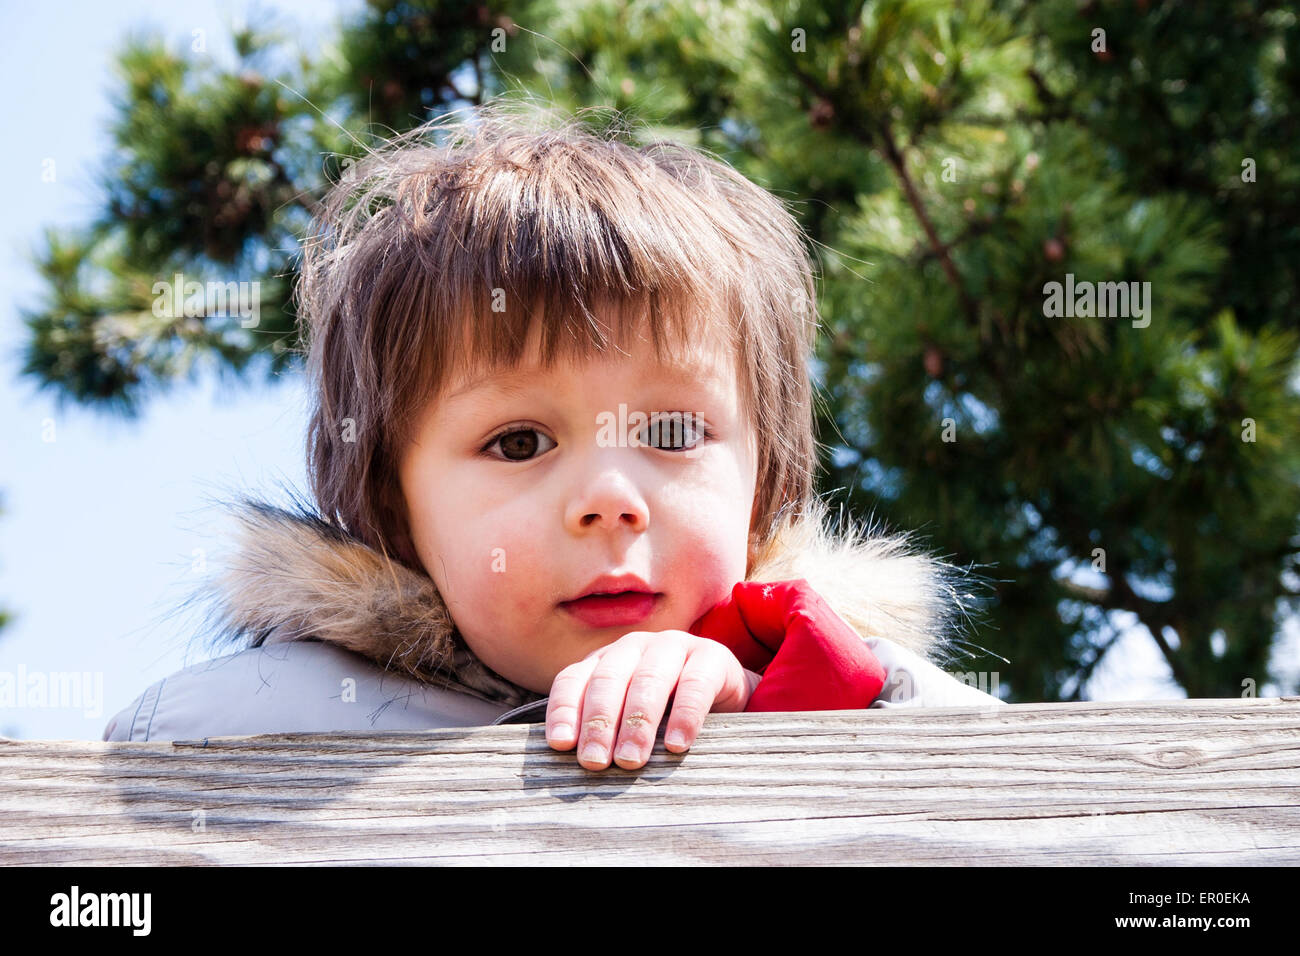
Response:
column 509, row 567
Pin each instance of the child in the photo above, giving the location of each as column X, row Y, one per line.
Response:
column 562, row 444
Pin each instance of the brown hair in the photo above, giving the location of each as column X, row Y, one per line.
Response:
column 420, row 240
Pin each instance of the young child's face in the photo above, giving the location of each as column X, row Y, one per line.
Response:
column 511, row 531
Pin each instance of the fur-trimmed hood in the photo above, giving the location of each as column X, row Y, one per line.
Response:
column 294, row 576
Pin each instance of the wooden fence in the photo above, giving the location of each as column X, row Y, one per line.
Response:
column 1170, row 782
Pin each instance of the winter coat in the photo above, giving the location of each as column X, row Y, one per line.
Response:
column 335, row 636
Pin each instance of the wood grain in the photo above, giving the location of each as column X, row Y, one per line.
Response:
column 1191, row 782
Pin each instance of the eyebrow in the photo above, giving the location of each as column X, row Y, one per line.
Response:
column 515, row 384
column 507, row 388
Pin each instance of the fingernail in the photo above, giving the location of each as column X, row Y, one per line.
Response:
column 629, row 752
column 594, row 753
column 562, row 732
column 675, row 738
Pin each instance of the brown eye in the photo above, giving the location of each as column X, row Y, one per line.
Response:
column 675, row 431
column 518, row 444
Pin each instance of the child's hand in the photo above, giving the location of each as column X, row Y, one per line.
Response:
column 632, row 679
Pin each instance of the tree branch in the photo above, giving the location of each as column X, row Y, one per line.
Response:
column 896, row 159
column 1086, row 672
column 1154, row 624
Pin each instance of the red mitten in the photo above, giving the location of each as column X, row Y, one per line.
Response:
column 809, row 658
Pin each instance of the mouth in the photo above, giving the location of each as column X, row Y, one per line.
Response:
column 619, row 609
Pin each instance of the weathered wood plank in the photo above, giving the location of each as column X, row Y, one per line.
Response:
column 1171, row 782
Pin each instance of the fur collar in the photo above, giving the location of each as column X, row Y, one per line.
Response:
column 295, row 576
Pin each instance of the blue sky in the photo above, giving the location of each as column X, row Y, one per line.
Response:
column 105, row 524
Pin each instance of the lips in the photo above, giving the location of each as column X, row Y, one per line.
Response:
column 613, row 601
column 613, row 610
column 612, row 584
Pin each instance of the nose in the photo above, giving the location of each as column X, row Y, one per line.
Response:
column 608, row 500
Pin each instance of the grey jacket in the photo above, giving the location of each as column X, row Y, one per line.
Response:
column 332, row 635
